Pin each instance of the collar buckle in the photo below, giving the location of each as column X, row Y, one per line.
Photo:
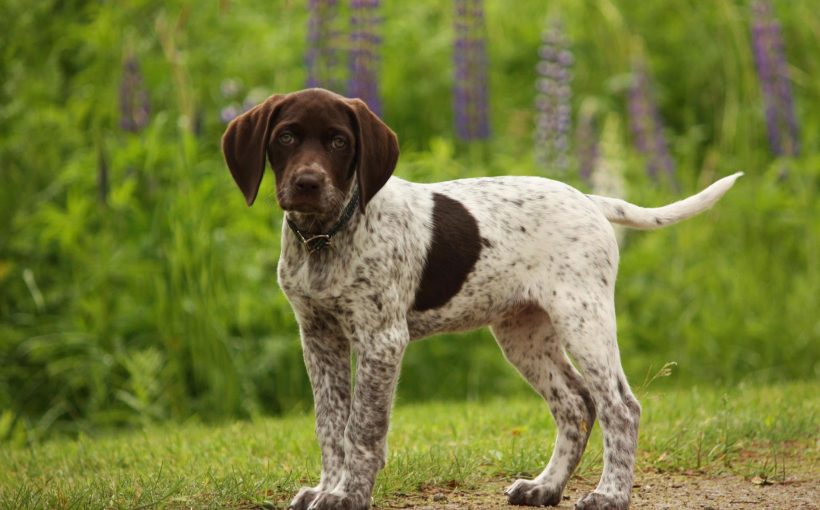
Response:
column 316, row 243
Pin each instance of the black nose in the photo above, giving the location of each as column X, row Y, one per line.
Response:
column 307, row 182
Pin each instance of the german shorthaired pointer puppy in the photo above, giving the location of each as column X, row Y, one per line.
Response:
column 370, row 262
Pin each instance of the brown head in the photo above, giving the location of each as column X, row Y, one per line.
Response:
column 316, row 142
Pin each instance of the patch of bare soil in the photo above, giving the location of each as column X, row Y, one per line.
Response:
column 651, row 491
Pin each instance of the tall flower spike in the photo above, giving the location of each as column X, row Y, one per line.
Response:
column 471, row 88
column 552, row 101
column 365, row 22
column 772, row 71
column 322, row 54
column 647, row 126
column 134, row 106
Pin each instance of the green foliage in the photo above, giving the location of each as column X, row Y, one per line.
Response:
column 732, row 294
column 155, row 298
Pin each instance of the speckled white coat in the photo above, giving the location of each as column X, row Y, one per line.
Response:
column 543, row 279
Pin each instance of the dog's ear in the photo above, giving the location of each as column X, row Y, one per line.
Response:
column 244, row 145
column 377, row 151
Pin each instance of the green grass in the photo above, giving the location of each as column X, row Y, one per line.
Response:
column 262, row 462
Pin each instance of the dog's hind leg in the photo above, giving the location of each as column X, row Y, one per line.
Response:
column 529, row 342
column 584, row 318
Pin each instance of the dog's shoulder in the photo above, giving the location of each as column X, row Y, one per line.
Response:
column 381, row 252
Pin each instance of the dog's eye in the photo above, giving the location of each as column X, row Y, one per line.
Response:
column 338, row 142
column 286, row 138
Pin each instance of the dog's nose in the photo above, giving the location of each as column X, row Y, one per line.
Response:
column 307, row 182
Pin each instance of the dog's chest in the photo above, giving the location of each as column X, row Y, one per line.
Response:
column 350, row 285
column 312, row 278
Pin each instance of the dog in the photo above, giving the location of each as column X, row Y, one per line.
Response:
column 370, row 262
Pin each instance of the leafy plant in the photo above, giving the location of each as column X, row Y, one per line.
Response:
column 135, row 286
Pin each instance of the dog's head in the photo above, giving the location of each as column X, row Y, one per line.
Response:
column 316, row 141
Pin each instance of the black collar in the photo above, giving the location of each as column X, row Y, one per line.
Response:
column 315, row 242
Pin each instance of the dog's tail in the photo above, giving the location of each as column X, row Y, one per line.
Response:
column 647, row 218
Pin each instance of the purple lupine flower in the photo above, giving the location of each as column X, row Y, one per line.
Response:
column 552, row 101
column 772, row 71
column 134, row 106
column 234, row 109
column 363, row 62
column 321, row 57
column 586, row 142
column 647, row 126
column 230, row 112
column 230, row 88
column 471, row 90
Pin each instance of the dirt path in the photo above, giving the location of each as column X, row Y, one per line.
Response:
column 651, row 492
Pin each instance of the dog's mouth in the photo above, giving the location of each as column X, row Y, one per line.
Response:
column 323, row 206
column 301, row 207
column 291, row 201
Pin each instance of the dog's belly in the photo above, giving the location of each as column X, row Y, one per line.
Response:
column 484, row 299
column 431, row 322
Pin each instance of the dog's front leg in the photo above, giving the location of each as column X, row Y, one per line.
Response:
column 327, row 358
column 365, row 437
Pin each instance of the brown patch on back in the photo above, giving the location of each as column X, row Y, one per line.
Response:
column 453, row 252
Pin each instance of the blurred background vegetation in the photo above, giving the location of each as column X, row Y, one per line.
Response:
column 136, row 286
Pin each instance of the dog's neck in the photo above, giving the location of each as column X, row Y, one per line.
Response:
column 305, row 226
column 314, row 223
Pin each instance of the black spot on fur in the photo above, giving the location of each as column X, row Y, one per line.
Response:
column 453, row 252
column 590, row 407
column 621, row 388
column 376, row 301
column 517, row 201
column 486, row 242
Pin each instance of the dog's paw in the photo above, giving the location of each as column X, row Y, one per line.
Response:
column 304, row 498
column 531, row 493
column 598, row 501
column 335, row 501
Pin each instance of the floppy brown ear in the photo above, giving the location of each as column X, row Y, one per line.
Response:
column 377, row 151
column 244, row 145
